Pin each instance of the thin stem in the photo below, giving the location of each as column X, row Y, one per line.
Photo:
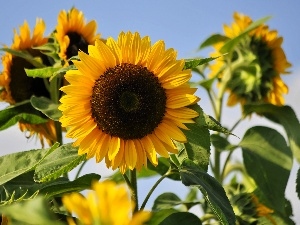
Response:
column 153, row 188
column 225, row 164
column 133, row 181
column 80, row 168
column 127, row 180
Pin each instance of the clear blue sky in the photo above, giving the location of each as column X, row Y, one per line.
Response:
column 182, row 24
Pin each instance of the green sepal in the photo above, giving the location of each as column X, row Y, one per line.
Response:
column 283, row 115
column 213, row 39
column 46, row 106
column 229, row 45
column 61, row 161
column 212, row 190
column 35, row 61
column 21, row 112
column 193, row 63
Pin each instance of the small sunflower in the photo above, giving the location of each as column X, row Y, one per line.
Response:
column 109, row 204
column 127, row 101
column 258, row 79
column 16, row 85
column 73, row 34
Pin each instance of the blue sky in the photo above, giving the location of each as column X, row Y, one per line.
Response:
column 183, row 25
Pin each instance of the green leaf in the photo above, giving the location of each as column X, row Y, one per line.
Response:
column 268, row 160
column 33, row 212
column 163, row 167
column 61, row 161
column 166, row 200
column 298, row 183
column 283, row 115
column 44, row 72
column 213, row 39
column 220, row 142
column 212, row 191
column 207, row 83
column 159, row 216
column 180, row 218
column 46, row 106
column 23, row 112
column 57, row 187
column 193, row 63
column 214, row 125
column 229, row 45
column 62, row 71
column 15, row 164
column 37, row 62
column 198, row 146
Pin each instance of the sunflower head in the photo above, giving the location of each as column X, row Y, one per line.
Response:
column 255, row 65
column 16, row 85
column 108, row 203
column 73, row 33
column 127, row 101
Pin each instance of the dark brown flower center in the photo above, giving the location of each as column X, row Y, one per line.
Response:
column 128, row 101
column 23, row 87
column 77, row 42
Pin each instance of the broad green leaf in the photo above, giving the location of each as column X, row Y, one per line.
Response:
column 15, row 164
column 283, row 115
column 158, row 216
column 166, row 200
column 220, row 142
column 193, row 63
column 180, row 218
column 197, row 148
column 34, row 212
column 37, row 62
column 229, row 45
column 207, row 83
column 62, row 71
column 212, row 190
column 23, row 112
column 44, row 72
column 58, row 187
column 298, row 183
column 213, row 39
column 170, row 200
column 46, row 106
column 61, row 161
column 268, row 160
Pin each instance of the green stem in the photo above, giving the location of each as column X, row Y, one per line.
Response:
column 153, row 188
column 127, row 180
column 225, row 164
column 133, row 181
column 80, row 168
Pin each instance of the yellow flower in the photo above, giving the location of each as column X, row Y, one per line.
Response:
column 17, row 86
column 263, row 61
column 127, row 101
column 73, row 34
column 108, row 204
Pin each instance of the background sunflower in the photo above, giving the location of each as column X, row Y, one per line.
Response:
column 73, row 33
column 255, row 64
column 17, row 86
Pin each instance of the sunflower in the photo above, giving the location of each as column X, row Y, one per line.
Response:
column 73, row 34
column 17, row 86
column 109, row 204
column 263, row 61
column 127, row 101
